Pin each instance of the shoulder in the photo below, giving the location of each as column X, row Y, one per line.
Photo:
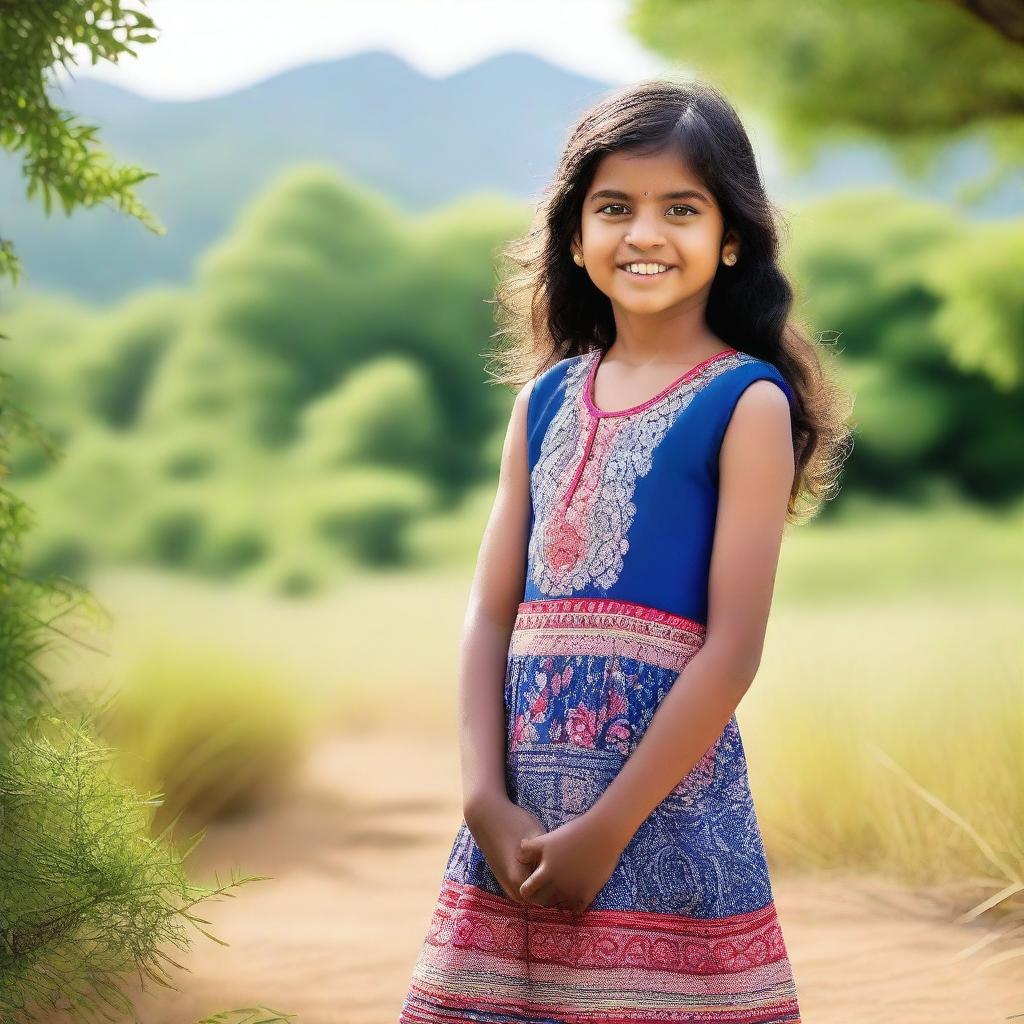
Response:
column 548, row 381
column 746, row 377
column 542, row 396
column 761, row 406
column 563, row 368
column 748, row 400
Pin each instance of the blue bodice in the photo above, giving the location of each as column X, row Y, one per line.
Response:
column 623, row 503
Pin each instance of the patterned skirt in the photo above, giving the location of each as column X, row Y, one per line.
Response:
column 685, row 929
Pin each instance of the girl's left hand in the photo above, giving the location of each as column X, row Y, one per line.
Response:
column 573, row 863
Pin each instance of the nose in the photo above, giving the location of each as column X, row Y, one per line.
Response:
column 645, row 232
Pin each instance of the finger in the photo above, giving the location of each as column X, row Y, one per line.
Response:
column 545, row 895
column 567, row 906
column 511, row 890
column 537, row 879
column 529, row 851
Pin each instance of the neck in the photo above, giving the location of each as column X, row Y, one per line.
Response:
column 679, row 337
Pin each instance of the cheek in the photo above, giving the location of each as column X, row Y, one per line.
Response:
column 601, row 237
column 701, row 240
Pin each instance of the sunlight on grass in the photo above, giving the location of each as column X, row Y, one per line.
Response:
column 934, row 687
column 215, row 733
column 891, row 682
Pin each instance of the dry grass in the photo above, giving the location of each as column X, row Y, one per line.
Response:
column 885, row 729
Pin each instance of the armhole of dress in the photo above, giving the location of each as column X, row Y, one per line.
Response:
column 532, row 385
column 767, row 372
column 787, row 388
column 543, row 383
column 530, row 414
column 763, row 373
column 777, row 379
column 537, row 383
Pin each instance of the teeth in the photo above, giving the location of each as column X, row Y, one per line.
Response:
column 646, row 268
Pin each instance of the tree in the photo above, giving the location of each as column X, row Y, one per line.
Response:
column 914, row 74
column 60, row 155
column 87, row 895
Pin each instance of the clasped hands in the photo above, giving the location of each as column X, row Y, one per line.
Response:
column 564, row 868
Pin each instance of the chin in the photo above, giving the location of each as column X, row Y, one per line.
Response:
column 651, row 304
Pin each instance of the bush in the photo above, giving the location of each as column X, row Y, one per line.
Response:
column 382, row 413
column 366, row 512
column 215, row 733
column 87, row 898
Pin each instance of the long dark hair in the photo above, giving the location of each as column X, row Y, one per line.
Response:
column 548, row 309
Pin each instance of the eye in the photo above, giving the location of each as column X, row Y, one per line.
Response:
column 619, row 206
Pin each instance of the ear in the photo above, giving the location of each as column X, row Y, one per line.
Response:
column 732, row 239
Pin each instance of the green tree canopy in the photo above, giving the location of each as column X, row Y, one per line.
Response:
column 60, row 155
column 914, row 75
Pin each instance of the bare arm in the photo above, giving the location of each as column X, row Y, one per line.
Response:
column 756, row 469
column 494, row 598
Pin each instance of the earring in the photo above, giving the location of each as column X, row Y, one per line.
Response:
column 578, row 258
column 729, row 260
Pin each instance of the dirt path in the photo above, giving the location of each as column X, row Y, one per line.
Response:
column 357, row 857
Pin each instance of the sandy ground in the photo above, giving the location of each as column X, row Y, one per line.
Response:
column 357, row 855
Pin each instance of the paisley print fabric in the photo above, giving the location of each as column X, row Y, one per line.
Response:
column 685, row 929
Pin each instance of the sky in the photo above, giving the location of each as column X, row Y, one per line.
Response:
column 209, row 47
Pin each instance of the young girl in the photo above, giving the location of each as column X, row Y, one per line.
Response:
column 610, row 865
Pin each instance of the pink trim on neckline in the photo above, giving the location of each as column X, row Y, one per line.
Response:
column 588, row 387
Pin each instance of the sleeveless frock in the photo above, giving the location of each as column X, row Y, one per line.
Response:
column 622, row 518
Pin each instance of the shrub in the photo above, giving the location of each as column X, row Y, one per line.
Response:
column 216, row 733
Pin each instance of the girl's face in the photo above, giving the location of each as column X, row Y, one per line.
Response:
column 651, row 209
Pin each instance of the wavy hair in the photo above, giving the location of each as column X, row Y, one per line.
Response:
column 548, row 309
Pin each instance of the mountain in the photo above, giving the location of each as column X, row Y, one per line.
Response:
column 419, row 140
column 497, row 126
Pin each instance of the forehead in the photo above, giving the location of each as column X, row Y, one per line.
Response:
column 655, row 173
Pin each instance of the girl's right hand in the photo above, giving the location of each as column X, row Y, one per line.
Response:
column 498, row 825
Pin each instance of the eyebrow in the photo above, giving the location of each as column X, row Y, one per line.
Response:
column 689, row 193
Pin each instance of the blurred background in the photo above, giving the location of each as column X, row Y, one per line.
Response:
column 279, row 446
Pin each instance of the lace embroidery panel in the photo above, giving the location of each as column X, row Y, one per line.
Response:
column 585, row 476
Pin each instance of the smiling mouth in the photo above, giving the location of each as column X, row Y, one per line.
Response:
column 653, row 275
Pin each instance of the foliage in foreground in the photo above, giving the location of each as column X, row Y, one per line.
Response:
column 88, row 896
column 87, row 892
